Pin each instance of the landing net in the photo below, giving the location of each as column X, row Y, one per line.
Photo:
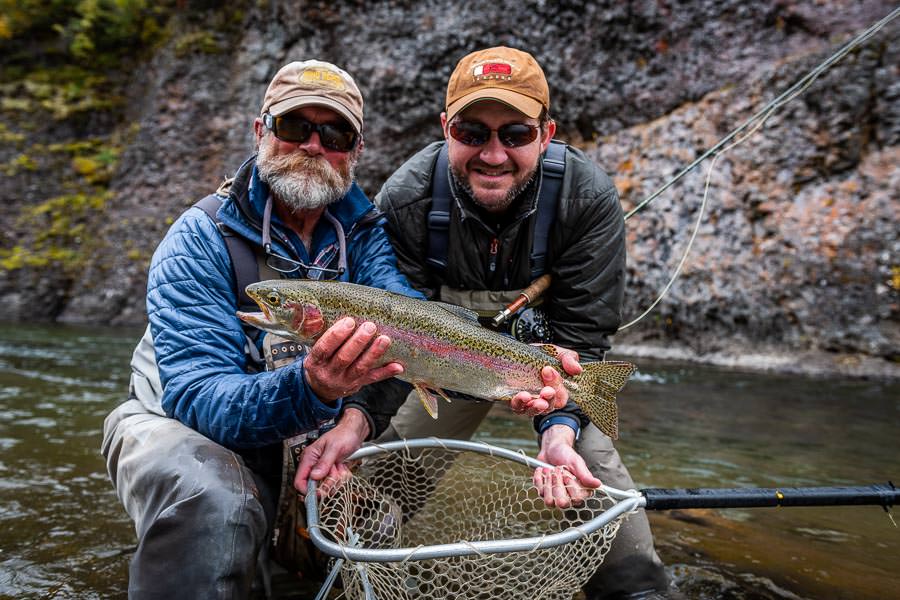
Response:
column 452, row 519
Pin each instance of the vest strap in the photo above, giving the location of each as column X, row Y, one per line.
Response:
column 554, row 169
column 244, row 266
column 439, row 215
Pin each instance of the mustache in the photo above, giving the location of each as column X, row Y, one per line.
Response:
column 507, row 166
column 300, row 162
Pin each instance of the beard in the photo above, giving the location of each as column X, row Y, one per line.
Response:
column 301, row 181
column 493, row 205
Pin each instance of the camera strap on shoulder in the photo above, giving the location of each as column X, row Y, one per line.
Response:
column 554, row 169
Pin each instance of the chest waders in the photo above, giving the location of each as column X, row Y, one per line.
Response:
column 291, row 548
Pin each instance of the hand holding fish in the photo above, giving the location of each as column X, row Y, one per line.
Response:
column 569, row 482
column 553, row 395
column 346, row 358
column 323, row 460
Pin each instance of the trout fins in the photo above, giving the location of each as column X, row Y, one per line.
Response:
column 595, row 389
column 429, row 401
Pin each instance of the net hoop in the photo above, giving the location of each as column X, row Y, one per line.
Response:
column 625, row 501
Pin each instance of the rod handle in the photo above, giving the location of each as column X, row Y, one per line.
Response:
column 526, row 296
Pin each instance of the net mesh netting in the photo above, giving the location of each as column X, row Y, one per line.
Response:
column 425, row 497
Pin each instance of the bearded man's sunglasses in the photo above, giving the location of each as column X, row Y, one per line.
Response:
column 297, row 130
column 511, row 135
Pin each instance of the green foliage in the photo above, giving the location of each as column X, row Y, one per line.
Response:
column 60, row 92
column 14, row 104
column 97, row 168
column 18, row 164
column 62, row 62
column 30, row 18
column 63, row 232
column 61, row 236
column 77, row 147
column 203, row 42
column 206, row 30
column 10, row 137
column 92, row 32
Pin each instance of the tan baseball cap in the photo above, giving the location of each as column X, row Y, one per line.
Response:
column 314, row 83
column 504, row 74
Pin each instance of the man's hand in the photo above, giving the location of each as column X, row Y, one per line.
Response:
column 346, row 358
column 554, row 394
column 569, row 482
column 324, row 458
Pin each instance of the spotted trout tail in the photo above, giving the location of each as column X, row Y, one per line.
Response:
column 595, row 389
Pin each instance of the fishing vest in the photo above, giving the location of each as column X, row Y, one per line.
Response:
column 248, row 266
column 553, row 170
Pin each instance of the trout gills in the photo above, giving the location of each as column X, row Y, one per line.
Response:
column 441, row 346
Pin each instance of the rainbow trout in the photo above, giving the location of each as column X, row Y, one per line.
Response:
column 441, row 346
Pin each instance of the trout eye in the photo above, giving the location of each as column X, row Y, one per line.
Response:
column 274, row 299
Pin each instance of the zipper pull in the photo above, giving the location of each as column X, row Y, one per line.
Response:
column 495, row 247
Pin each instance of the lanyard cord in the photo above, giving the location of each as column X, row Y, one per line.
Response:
column 267, row 225
column 342, row 241
column 338, row 230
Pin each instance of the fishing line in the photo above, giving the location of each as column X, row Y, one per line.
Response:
column 754, row 123
column 703, row 203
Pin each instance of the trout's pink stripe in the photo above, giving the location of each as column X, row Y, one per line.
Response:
column 447, row 350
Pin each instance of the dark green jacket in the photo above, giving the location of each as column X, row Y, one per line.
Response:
column 586, row 253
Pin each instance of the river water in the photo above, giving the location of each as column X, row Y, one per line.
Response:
column 63, row 533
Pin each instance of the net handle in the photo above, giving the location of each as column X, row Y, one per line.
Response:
column 884, row 495
column 627, row 501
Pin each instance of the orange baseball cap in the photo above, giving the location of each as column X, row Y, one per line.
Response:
column 314, row 83
column 504, row 74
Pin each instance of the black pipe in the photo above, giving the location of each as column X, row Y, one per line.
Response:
column 884, row 495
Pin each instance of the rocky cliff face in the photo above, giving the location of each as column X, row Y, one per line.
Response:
column 798, row 248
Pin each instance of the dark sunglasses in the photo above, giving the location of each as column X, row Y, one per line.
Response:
column 511, row 135
column 297, row 130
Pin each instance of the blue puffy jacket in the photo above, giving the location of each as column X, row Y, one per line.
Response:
column 199, row 342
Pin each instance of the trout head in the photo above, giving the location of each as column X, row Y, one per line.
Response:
column 288, row 310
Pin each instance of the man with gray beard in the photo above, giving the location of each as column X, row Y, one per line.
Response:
column 202, row 452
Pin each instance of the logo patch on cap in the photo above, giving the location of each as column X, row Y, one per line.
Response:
column 322, row 77
column 492, row 70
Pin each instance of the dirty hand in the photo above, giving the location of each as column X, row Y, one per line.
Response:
column 554, row 394
column 323, row 460
column 346, row 358
column 569, row 481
